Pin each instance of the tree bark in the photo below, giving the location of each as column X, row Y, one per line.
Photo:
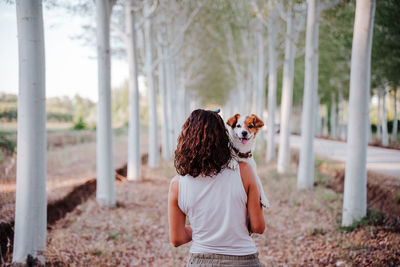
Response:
column 305, row 177
column 385, row 136
column 325, row 121
column 340, row 115
column 164, row 105
column 333, row 116
column 395, row 119
column 315, row 78
column 134, row 156
column 154, row 150
column 379, row 122
column 105, row 190
column 272, row 83
column 31, row 202
column 355, row 188
column 287, row 95
column 261, row 73
column 369, row 128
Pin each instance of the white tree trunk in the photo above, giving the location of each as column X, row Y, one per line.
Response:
column 333, row 116
column 154, row 153
column 261, row 73
column 318, row 119
column 315, row 78
column 369, row 128
column 164, row 105
column 379, row 123
column 385, row 136
column 255, row 87
column 395, row 119
column 287, row 95
column 134, row 156
column 355, row 188
column 171, row 104
column 305, row 177
column 272, row 84
column 340, row 116
column 325, row 131
column 31, row 202
column 105, row 191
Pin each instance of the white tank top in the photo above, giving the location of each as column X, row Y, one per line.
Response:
column 217, row 211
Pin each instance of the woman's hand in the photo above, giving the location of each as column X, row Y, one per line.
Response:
column 179, row 233
column 254, row 208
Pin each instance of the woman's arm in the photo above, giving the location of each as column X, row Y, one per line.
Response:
column 178, row 232
column 254, row 208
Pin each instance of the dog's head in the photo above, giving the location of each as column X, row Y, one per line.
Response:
column 244, row 129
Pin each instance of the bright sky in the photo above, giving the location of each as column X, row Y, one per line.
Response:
column 71, row 68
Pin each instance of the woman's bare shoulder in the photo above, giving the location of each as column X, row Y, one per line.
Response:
column 174, row 184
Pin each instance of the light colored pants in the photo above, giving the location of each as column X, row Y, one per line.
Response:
column 205, row 260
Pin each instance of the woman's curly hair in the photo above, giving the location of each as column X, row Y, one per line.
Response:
column 203, row 145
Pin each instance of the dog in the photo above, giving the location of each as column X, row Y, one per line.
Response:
column 243, row 131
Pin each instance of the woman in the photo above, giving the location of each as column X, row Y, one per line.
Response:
column 218, row 195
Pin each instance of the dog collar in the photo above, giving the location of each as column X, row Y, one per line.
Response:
column 242, row 155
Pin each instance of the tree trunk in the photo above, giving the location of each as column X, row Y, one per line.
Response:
column 305, row 177
column 170, row 103
column 395, row 119
column 134, row 156
column 385, row 136
column 325, row 126
column 30, row 207
column 341, row 115
column 355, row 188
column 287, row 95
column 369, row 128
column 272, row 83
column 379, row 122
column 315, row 78
column 154, row 150
column 164, row 105
column 261, row 73
column 333, row 116
column 105, row 190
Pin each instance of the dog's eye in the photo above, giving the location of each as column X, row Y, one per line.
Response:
column 238, row 126
column 251, row 126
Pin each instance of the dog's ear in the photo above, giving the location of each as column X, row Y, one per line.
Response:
column 258, row 123
column 233, row 120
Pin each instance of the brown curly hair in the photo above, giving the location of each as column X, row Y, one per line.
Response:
column 203, row 145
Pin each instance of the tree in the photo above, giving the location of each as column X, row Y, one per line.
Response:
column 154, row 150
column 105, row 190
column 355, row 187
column 305, row 177
column 134, row 156
column 31, row 201
column 287, row 93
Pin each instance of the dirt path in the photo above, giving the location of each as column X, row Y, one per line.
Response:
column 302, row 229
column 381, row 160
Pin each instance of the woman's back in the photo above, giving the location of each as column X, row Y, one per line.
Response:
column 216, row 208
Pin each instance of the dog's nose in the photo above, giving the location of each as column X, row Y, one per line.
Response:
column 244, row 133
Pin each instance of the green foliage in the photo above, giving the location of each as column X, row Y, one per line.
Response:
column 7, row 144
column 373, row 218
column 386, row 44
column 79, row 125
column 335, row 44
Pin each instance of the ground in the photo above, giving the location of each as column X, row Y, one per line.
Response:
column 302, row 228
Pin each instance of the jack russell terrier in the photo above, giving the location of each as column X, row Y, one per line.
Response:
column 243, row 130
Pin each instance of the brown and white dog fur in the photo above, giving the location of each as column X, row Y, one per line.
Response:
column 243, row 131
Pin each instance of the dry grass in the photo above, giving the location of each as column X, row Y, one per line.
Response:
column 302, row 228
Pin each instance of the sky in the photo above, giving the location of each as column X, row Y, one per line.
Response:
column 71, row 67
